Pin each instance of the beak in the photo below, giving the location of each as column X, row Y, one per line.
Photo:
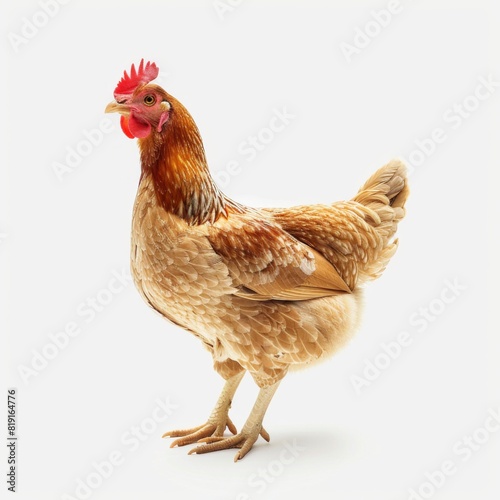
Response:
column 114, row 107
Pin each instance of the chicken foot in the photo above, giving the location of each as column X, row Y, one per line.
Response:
column 216, row 423
column 249, row 433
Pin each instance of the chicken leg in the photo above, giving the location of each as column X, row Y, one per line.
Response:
column 250, row 431
column 216, row 423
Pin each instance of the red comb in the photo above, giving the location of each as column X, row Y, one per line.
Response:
column 143, row 75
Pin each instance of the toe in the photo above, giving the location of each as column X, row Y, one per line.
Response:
column 211, row 439
column 265, row 434
column 192, row 436
column 231, row 427
column 222, row 444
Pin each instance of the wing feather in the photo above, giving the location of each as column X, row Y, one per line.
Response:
column 267, row 263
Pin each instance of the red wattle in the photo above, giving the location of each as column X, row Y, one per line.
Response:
column 125, row 126
column 138, row 128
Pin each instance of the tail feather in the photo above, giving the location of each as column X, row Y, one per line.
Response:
column 384, row 194
column 388, row 186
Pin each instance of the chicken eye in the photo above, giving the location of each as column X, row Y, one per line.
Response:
column 149, row 100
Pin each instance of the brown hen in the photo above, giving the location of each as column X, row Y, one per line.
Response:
column 265, row 290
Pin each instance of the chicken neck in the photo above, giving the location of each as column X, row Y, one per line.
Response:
column 175, row 159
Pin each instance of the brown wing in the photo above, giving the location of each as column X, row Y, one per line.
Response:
column 267, row 263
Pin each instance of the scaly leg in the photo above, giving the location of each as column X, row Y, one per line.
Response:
column 250, row 432
column 216, row 423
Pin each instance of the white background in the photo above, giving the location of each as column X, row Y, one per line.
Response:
column 61, row 240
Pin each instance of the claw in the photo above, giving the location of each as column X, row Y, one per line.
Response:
column 223, row 444
column 243, row 440
column 210, row 436
column 182, row 432
column 209, row 431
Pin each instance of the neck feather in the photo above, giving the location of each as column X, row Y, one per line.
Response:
column 175, row 159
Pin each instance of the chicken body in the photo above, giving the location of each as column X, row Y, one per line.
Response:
column 180, row 274
column 264, row 290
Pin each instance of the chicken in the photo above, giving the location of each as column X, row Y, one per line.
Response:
column 265, row 290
